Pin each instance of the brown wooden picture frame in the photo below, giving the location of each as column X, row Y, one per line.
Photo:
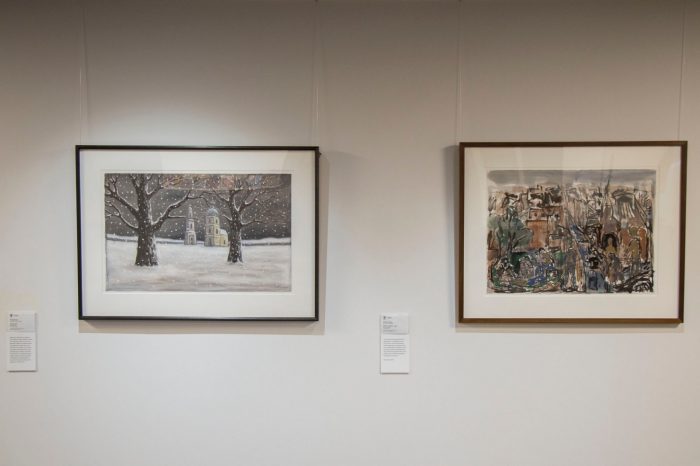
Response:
column 624, row 289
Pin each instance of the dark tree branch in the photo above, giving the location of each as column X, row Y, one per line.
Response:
column 150, row 192
column 118, row 214
column 135, row 180
column 235, row 192
column 113, row 193
column 223, row 199
column 250, row 222
column 259, row 196
column 248, row 201
column 166, row 214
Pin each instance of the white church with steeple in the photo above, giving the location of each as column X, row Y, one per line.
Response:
column 190, row 233
column 213, row 234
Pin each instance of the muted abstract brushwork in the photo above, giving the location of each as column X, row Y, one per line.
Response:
column 561, row 231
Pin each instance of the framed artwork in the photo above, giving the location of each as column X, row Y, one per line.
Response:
column 202, row 233
column 572, row 232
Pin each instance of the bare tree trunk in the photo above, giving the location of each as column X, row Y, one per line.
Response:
column 235, row 253
column 143, row 223
column 146, row 253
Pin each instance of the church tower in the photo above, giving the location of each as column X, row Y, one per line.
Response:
column 190, row 233
column 212, row 227
column 213, row 234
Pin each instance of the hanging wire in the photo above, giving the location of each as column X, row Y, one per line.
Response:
column 314, row 136
column 458, row 106
column 83, row 77
column 682, row 70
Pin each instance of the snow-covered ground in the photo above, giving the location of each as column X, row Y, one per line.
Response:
column 266, row 267
column 263, row 241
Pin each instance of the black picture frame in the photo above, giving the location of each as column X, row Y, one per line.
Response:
column 233, row 164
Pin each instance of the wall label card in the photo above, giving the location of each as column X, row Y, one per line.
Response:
column 21, row 341
column 395, row 344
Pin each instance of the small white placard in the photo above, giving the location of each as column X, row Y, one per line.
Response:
column 395, row 344
column 21, row 341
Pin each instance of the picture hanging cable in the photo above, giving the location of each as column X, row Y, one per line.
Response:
column 314, row 77
column 83, row 77
column 458, row 106
column 682, row 69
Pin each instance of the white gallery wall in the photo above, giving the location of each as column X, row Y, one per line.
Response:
column 386, row 89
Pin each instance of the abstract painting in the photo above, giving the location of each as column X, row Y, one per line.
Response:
column 557, row 231
column 587, row 232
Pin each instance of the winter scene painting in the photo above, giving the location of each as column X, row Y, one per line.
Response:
column 565, row 231
column 197, row 232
